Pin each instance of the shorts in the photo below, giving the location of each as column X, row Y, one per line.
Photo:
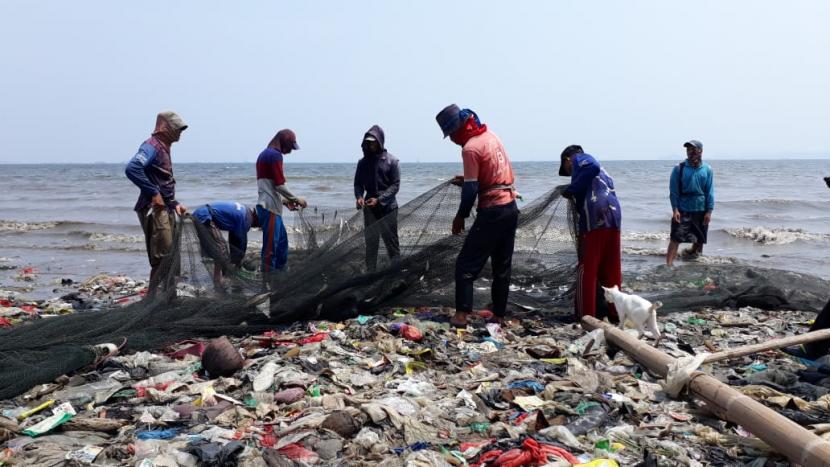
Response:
column 690, row 229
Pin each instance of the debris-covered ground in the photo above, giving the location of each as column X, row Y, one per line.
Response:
column 403, row 388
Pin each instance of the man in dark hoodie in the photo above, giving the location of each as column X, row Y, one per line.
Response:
column 151, row 170
column 376, row 182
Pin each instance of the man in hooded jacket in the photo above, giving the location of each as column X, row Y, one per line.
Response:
column 273, row 195
column 151, row 170
column 377, row 180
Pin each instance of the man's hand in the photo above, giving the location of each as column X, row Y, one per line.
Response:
column 359, row 202
column 301, row 202
column 568, row 195
column 457, row 225
column 458, row 180
column 676, row 216
column 707, row 218
column 181, row 209
column 372, row 202
column 157, row 202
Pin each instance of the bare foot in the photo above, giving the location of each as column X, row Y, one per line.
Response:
column 459, row 320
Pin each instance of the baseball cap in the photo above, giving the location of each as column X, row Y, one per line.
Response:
column 693, row 143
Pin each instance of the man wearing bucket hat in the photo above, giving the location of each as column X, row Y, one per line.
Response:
column 151, row 170
column 692, row 197
column 488, row 176
column 273, row 195
column 600, row 217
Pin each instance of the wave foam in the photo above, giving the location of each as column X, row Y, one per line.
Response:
column 16, row 226
column 773, row 236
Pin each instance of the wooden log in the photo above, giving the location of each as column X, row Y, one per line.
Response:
column 787, row 437
column 788, row 341
column 104, row 425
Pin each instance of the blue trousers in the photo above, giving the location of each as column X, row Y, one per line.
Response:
column 274, row 240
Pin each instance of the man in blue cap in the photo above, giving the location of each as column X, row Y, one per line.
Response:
column 692, row 196
column 488, row 176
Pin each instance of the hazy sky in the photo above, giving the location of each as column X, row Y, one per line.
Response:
column 82, row 81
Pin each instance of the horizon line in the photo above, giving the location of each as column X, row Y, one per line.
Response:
column 804, row 158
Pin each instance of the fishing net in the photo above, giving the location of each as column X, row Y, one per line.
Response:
column 326, row 278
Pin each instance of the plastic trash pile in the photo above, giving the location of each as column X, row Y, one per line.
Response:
column 404, row 388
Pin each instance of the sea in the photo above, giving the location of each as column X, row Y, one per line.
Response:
column 75, row 221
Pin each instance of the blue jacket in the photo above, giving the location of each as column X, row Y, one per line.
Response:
column 151, row 170
column 593, row 192
column 698, row 187
column 233, row 217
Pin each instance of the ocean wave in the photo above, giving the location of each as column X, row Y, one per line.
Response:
column 641, row 236
column 17, row 226
column 115, row 238
column 775, row 236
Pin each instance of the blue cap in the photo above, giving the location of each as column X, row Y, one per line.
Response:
column 449, row 119
column 693, row 143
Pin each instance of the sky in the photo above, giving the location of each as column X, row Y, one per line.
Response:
column 82, row 81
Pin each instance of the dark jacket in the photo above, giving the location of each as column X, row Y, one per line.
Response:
column 378, row 175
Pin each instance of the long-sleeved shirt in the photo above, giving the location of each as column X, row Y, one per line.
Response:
column 151, row 170
column 596, row 201
column 270, row 181
column 235, row 218
column 696, row 193
column 378, row 177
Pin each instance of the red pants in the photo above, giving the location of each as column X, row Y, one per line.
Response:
column 599, row 259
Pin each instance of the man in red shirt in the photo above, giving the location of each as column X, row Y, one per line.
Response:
column 488, row 176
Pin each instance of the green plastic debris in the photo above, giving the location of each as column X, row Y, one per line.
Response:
column 314, row 391
column 363, row 319
column 696, row 321
column 480, row 427
column 250, row 403
column 60, row 415
column 583, row 406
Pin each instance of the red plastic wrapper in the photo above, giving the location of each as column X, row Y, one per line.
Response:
column 5, row 323
column 299, row 453
column 412, row 333
column 319, row 337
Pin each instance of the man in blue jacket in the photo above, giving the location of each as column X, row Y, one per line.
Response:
column 151, row 170
column 692, row 196
column 234, row 218
column 377, row 180
column 600, row 217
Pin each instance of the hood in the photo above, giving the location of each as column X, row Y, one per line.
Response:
column 376, row 132
column 284, row 141
column 167, row 123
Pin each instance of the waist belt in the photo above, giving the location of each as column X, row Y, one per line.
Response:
column 497, row 187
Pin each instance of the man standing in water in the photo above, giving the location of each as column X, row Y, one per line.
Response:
column 600, row 218
column 488, row 176
column 273, row 194
column 151, row 170
column 377, row 180
column 692, row 196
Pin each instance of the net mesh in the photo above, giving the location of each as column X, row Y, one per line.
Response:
column 326, row 278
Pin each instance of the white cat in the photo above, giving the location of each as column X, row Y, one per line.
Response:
column 636, row 309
